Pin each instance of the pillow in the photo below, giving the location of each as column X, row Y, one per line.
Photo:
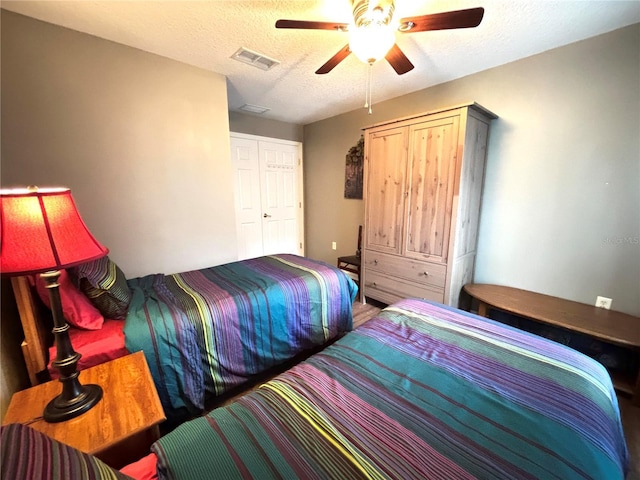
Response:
column 143, row 469
column 77, row 309
column 28, row 454
column 105, row 286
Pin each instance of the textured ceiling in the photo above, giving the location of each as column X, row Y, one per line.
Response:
column 207, row 33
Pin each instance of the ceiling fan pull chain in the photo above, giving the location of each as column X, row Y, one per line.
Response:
column 366, row 92
column 370, row 82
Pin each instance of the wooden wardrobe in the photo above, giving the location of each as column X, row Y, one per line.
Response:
column 423, row 187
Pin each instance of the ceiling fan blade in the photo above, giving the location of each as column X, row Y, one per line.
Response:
column 310, row 25
column 398, row 60
column 468, row 18
column 335, row 60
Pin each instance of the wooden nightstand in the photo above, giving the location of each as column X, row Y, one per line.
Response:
column 119, row 429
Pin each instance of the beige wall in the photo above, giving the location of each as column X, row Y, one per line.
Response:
column 561, row 208
column 141, row 140
column 264, row 127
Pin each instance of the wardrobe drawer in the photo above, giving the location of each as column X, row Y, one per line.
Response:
column 389, row 289
column 413, row 270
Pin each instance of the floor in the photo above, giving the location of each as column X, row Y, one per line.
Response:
column 364, row 312
column 630, row 414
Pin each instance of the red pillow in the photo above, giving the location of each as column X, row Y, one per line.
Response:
column 143, row 469
column 76, row 307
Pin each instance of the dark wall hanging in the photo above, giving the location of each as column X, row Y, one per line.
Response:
column 354, row 171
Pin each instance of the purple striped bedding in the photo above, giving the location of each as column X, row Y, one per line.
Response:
column 27, row 454
column 420, row 391
column 207, row 331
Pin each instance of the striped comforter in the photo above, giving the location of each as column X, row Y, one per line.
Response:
column 206, row 331
column 27, row 454
column 421, row 391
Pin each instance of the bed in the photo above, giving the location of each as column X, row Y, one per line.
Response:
column 205, row 332
column 420, row 391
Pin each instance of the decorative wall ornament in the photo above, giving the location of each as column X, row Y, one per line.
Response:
column 354, row 170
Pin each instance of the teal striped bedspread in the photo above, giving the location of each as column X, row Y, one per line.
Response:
column 421, row 391
column 206, row 331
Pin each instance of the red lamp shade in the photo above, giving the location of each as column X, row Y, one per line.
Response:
column 41, row 230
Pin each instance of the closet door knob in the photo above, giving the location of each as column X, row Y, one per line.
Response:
column 426, row 274
column 266, row 216
column 375, row 262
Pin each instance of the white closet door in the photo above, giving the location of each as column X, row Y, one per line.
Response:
column 244, row 155
column 268, row 176
column 278, row 168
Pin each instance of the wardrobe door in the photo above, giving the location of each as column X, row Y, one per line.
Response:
column 385, row 153
column 433, row 147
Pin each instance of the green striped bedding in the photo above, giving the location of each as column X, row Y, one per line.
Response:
column 27, row 454
column 421, row 391
column 205, row 332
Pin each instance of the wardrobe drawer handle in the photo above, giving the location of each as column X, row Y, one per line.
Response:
column 426, row 274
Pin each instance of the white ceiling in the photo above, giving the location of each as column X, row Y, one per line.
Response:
column 207, row 33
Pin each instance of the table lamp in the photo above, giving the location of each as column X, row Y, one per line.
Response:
column 41, row 232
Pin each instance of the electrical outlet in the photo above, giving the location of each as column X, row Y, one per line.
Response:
column 603, row 302
column 334, row 245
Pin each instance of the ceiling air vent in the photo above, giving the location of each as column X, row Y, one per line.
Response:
column 254, row 109
column 256, row 59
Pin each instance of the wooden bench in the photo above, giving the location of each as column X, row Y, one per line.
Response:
column 606, row 325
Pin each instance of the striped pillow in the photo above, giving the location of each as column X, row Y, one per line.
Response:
column 105, row 285
column 28, row 454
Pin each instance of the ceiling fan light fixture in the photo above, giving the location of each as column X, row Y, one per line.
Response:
column 372, row 34
column 376, row 11
column 371, row 42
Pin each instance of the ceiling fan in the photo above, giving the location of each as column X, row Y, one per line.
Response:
column 372, row 33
